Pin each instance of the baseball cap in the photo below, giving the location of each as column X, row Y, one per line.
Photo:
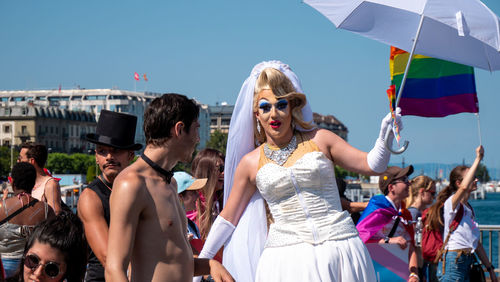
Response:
column 186, row 182
column 392, row 173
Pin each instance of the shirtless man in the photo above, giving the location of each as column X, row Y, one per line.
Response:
column 114, row 139
column 148, row 224
column 46, row 188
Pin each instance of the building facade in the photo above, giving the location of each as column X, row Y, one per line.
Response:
column 329, row 122
column 86, row 100
column 61, row 130
column 92, row 101
column 220, row 116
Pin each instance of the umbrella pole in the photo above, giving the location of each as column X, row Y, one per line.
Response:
column 400, row 92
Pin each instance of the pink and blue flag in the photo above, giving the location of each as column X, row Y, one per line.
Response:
column 389, row 261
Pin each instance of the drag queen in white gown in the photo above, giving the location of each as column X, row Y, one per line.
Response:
column 310, row 238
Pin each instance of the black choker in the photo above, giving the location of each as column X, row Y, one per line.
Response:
column 167, row 174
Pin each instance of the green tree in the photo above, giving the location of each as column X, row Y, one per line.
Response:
column 91, row 172
column 59, row 163
column 342, row 173
column 5, row 160
column 218, row 141
column 482, row 174
column 80, row 162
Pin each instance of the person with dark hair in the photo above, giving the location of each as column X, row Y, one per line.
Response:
column 115, row 146
column 148, row 227
column 461, row 244
column 46, row 188
column 18, row 216
column 386, row 219
column 208, row 163
column 56, row 250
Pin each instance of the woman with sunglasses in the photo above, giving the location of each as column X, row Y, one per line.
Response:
column 276, row 155
column 19, row 215
column 422, row 193
column 55, row 251
column 208, row 163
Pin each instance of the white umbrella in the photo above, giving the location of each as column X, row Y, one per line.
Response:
column 461, row 31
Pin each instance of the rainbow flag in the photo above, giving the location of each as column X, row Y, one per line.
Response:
column 433, row 88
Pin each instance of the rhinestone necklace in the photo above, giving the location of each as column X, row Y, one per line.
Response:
column 281, row 155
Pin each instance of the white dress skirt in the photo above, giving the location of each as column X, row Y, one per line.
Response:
column 345, row 260
column 311, row 238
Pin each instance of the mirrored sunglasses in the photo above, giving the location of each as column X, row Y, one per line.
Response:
column 51, row 268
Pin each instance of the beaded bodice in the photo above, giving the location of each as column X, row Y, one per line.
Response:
column 304, row 201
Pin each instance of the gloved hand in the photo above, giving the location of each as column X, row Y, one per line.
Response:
column 379, row 156
column 386, row 124
column 220, row 231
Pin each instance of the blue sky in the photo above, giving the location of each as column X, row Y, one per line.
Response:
column 206, row 49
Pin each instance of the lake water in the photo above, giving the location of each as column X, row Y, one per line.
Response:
column 488, row 213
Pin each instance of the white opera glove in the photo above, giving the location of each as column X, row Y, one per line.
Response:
column 220, row 231
column 379, row 155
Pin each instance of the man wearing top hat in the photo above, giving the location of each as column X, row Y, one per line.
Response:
column 114, row 139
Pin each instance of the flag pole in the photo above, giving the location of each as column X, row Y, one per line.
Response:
column 479, row 129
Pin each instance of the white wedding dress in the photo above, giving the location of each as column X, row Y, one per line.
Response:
column 311, row 238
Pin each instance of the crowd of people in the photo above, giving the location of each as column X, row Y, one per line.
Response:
column 271, row 209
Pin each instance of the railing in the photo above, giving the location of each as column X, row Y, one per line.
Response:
column 491, row 231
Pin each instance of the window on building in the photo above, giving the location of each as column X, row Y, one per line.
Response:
column 39, row 129
column 57, row 130
column 6, row 129
column 51, row 130
column 71, row 128
column 6, row 143
column 24, row 130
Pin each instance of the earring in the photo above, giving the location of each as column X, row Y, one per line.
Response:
column 293, row 124
column 258, row 126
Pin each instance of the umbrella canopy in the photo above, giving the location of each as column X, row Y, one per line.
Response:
column 461, row 31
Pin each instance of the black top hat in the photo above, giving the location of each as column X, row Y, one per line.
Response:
column 116, row 130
